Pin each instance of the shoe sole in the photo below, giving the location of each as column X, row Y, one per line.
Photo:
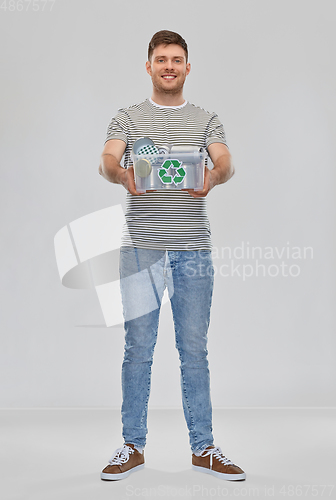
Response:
column 114, row 477
column 221, row 475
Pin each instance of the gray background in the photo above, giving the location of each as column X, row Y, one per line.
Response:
column 267, row 69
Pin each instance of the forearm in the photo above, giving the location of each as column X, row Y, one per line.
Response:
column 111, row 169
column 223, row 170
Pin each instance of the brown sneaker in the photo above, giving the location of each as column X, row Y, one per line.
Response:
column 212, row 461
column 124, row 461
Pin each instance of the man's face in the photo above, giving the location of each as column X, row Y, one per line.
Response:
column 168, row 68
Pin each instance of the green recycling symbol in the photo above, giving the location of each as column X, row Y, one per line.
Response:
column 179, row 172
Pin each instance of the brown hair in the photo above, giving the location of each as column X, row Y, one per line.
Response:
column 166, row 37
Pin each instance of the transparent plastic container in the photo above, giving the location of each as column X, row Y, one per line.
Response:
column 169, row 171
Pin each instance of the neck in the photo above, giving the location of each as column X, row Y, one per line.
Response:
column 167, row 99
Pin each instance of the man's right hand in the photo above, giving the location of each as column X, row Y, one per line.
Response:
column 111, row 169
column 127, row 180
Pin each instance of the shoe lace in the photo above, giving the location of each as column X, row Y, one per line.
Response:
column 217, row 453
column 121, row 455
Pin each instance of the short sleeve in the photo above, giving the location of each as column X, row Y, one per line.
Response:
column 116, row 130
column 215, row 132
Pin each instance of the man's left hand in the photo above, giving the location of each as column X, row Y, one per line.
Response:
column 223, row 169
column 209, row 183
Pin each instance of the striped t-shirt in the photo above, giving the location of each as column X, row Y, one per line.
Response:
column 166, row 220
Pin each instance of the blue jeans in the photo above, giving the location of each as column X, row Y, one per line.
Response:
column 188, row 275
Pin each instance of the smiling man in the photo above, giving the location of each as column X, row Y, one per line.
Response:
column 166, row 244
column 168, row 68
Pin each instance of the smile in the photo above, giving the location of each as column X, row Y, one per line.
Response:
column 168, row 77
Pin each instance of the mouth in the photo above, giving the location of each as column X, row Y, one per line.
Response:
column 168, row 77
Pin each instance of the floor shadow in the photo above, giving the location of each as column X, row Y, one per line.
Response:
column 154, row 484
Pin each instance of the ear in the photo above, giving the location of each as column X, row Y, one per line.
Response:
column 188, row 68
column 149, row 68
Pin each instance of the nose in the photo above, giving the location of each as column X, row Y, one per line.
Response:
column 169, row 65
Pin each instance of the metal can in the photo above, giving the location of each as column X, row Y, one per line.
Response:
column 164, row 149
column 142, row 144
column 142, row 167
column 185, row 149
